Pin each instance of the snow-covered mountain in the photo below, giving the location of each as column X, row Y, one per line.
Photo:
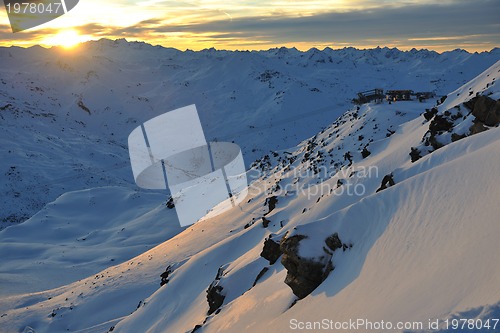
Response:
column 66, row 114
column 386, row 212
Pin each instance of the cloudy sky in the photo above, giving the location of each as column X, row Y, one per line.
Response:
column 442, row 25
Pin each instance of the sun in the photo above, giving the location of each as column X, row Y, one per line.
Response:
column 66, row 38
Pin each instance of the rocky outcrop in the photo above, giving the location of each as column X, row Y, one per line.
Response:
column 196, row 328
column 271, row 203
column 456, row 137
column 306, row 274
column 271, row 251
column 485, row 109
column 429, row 114
column 170, row 203
column 82, row 106
column 445, row 127
column 365, row 152
column 414, row 154
column 2, row 108
column 387, row 181
column 215, row 295
column 260, row 275
column 477, row 127
column 303, row 274
column 164, row 276
column 333, row 242
column 438, row 126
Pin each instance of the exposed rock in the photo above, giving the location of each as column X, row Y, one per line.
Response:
column 365, row 152
column 271, row 251
column 197, row 327
column 333, row 242
column 5, row 107
column 428, row 114
column 387, row 181
column 83, row 106
column 440, row 124
column 477, row 127
column 470, row 103
column 265, row 222
column 293, row 303
column 456, row 137
column 441, row 101
column 303, row 274
column 215, row 296
column 271, row 203
column 260, row 275
column 348, row 157
column 164, row 275
column 457, row 115
column 414, row 154
column 487, row 110
column 170, row 203
column 432, row 140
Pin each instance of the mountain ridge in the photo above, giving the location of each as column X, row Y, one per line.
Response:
column 423, row 234
column 73, row 100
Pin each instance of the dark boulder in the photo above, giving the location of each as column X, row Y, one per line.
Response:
column 271, row 251
column 170, row 203
column 365, row 153
column 387, row 181
column 456, row 137
column 271, row 203
column 164, row 275
column 440, row 124
column 348, row 157
column 5, row 107
column 487, row 110
column 215, row 295
column 303, row 274
column 333, row 242
column 428, row 114
column 477, row 127
column 414, row 154
column 196, row 328
column 441, row 100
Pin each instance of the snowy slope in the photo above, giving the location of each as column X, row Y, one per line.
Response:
column 66, row 114
column 421, row 249
column 80, row 234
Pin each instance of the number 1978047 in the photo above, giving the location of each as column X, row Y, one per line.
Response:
column 34, row 8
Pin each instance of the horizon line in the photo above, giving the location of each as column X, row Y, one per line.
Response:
column 303, row 50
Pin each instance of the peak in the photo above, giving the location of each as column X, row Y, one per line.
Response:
column 457, row 51
column 313, row 50
column 210, row 50
column 495, row 51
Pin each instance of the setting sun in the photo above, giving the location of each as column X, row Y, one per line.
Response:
column 67, row 39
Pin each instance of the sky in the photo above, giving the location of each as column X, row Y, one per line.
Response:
column 259, row 24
